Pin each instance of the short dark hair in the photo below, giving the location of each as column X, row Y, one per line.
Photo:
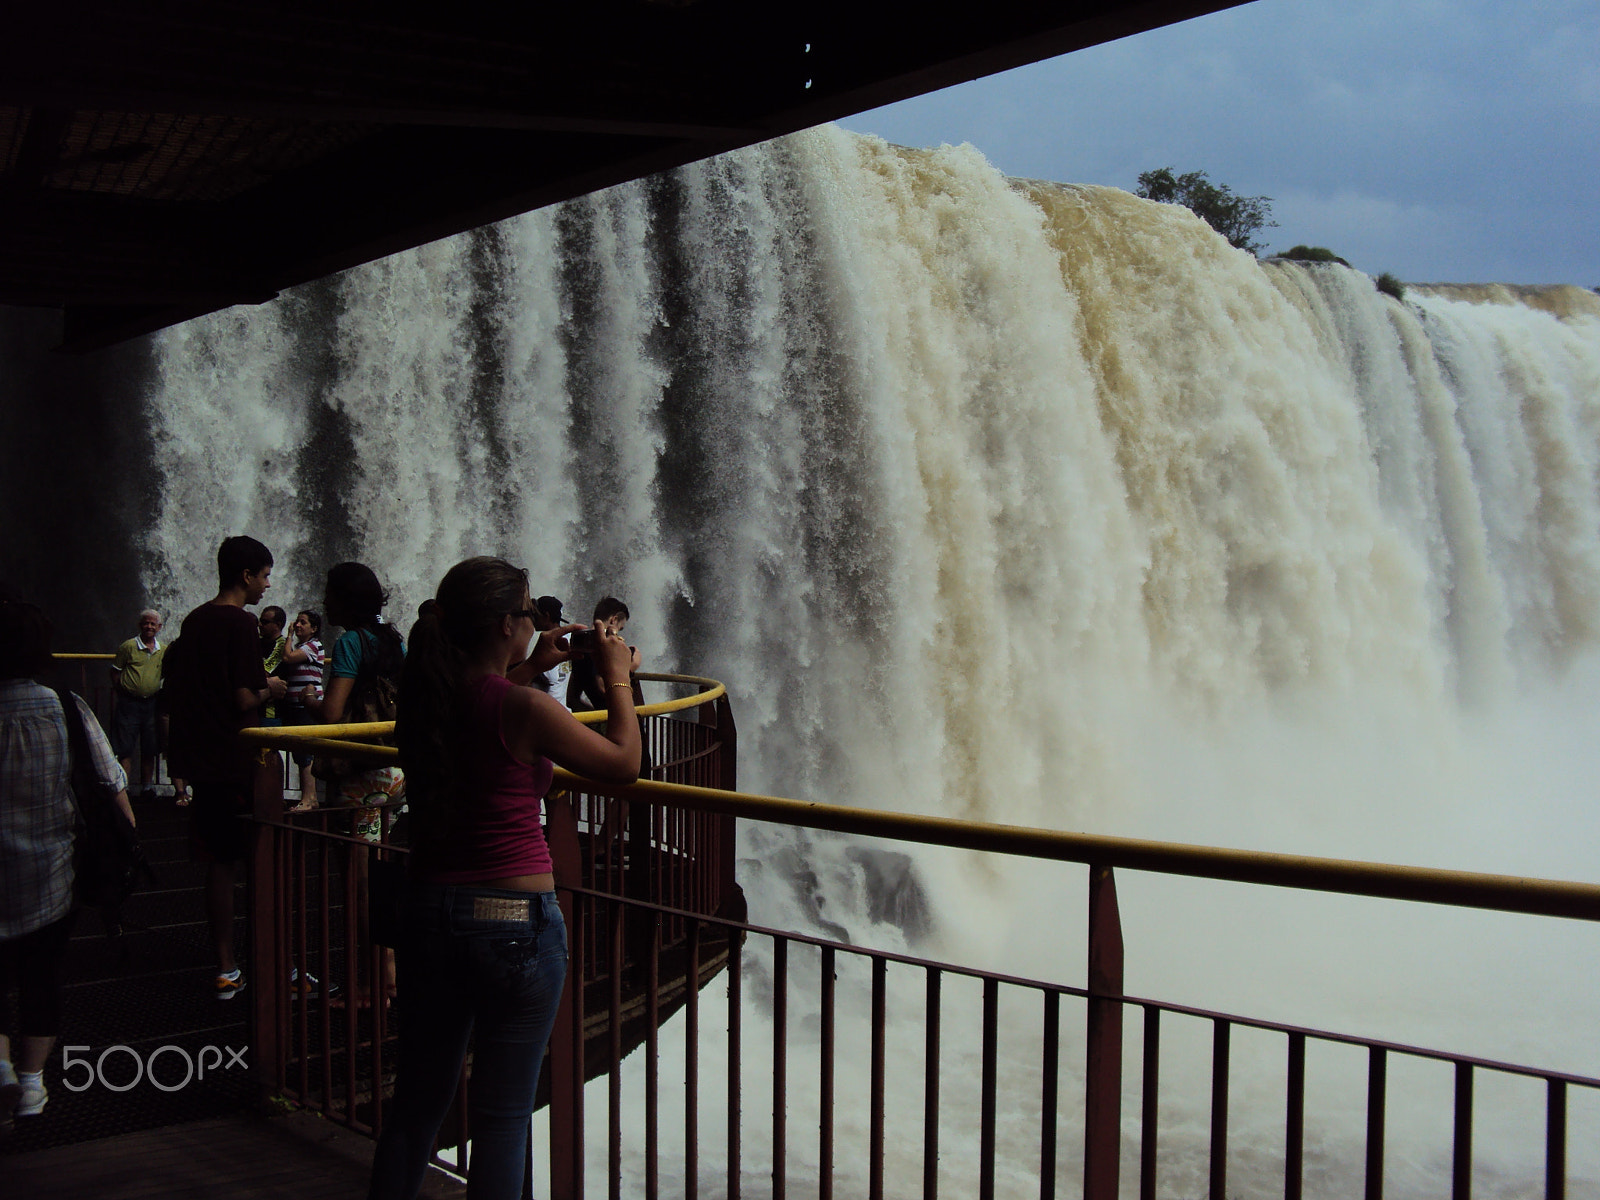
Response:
column 353, row 595
column 273, row 611
column 237, row 555
column 610, row 606
column 25, row 650
column 313, row 616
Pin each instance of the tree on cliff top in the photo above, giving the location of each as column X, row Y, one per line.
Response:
column 1237, row 218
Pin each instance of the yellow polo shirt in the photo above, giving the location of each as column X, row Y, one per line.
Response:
column 138, row 670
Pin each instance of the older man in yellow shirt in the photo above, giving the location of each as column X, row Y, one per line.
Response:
column 136, row 678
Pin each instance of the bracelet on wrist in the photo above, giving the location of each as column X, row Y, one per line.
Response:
column 629, row 686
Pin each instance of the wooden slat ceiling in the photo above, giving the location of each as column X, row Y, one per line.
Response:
column 165, row 158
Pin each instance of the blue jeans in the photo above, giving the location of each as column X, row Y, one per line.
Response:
column 487, row 964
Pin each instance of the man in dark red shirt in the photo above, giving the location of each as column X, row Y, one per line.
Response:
column 216, row 685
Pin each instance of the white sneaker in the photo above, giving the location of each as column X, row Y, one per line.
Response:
column 10, row 1094
column 34, row 1098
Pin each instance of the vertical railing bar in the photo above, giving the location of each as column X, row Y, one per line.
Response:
column 1221, row 1030
column 1461, row 1166
column 930, row 1091
column 352, row 959
column 380, row 996
column 283, row 1015
column 735, row 1057
column 652, row 1066
column 825, row 1100
column 780, row 1066
column 986, row 1130
column 303, row 960
column 1555, row 1141
column 880, row 987
column 582, row 952
column 614, row 1040
column 658, row 834
column 691, row 1075
column 1377, row 1095
column 325, row 906
column 1149, row 1103
column 283, row 915
column 1050, row 1088
column 1102, row 1074
column 1294, row 1132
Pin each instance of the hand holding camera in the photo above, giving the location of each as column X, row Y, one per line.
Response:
column 613, row 660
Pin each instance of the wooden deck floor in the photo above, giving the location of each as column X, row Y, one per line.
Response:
column 236, row 1157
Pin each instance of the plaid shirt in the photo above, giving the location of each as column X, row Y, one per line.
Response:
column 37, row 813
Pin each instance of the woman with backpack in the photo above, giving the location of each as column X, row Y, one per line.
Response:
column 361, row 681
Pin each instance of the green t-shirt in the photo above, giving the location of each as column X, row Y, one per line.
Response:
column 138, row 670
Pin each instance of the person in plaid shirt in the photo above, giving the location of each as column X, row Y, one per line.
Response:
column 37, row 819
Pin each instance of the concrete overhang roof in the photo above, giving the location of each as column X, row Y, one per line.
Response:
column 161, row 159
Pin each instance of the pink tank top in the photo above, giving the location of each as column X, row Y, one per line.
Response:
column 499, row 832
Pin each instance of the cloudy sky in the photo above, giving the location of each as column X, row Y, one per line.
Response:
column 1442, row 140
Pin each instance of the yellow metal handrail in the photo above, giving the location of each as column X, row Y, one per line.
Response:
column 342, row 739
column 82, row 657
column 1503, row 893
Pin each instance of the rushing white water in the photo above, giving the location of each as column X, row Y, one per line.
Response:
column 1012, row 501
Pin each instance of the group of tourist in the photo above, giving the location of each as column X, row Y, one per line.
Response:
column 481, row 698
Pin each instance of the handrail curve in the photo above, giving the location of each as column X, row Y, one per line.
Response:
column 344, row 738
column 1430, row 885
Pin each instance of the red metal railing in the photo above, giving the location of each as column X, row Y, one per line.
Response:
column 895, row 1076
column 321, row 1022
column 1104, row 1004
column 627, row 916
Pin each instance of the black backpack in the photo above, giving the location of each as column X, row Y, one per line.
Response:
column 108, row 863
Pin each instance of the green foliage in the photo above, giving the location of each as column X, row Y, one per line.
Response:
column 1313, row 254
column 1237, row 218
column 1389, row 285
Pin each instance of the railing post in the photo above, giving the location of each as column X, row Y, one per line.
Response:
column 1102, row 1128
column 728, row 780
column 565, row 1062
column 262, row 892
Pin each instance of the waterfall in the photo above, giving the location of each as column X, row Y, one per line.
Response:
column 990, row 498
column 934, row 467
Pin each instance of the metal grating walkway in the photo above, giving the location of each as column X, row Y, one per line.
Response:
column 236, row 1157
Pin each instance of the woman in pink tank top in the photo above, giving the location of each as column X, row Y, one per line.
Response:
column 484, row 951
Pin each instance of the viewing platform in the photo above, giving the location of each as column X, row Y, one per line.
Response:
column 647, row 872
